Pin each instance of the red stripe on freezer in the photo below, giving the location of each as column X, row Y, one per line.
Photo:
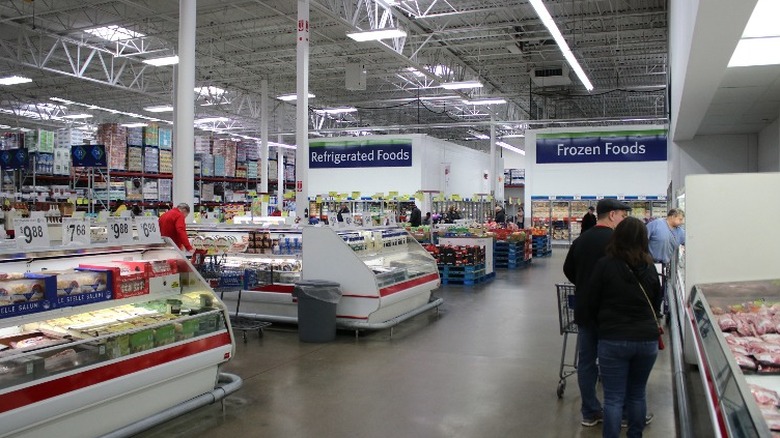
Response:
column 278, row 288
column 53, row 388
column 408, row 284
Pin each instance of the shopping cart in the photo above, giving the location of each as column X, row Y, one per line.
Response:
column 565, row 293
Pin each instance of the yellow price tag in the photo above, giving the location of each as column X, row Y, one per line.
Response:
column 289, row 195
column 318, row 199
column 253, row 193
column 392, row 194
column 419, row 196
column 455, row 197
column 333, row 194
column 266, row 198
column 378, row 196
column 355, row 195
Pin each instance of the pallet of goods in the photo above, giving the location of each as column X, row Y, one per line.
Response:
column 460, row 264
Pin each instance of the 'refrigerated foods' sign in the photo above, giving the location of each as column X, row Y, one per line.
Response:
column 386, row 153
column 593, row 147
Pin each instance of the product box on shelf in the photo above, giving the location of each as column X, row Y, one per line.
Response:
column 202, row 144
column 150, row 191
column 166, row 138
column 135, row 136
column 82, row 286
column 166, row 161
column 133, row 190
column 151, row 159
column 165, row 190
column 163, row 274
column 21, row 294
column 135, row 159
column 219, row 166
column 124, row 284
column 151, row 135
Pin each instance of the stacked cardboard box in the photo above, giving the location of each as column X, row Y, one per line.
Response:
column 241, row 151
column 289, row 173
column 207, row 192
column 151, row 159
column 135, row 136
column 152, row 135
column 206, row 165
column 202, row 144
column 133, row 190
column 164, row 190
column 150, row 190
column 251, row 170
column 252, row 150
column 241, row 171
column 114, row 137
column 166, row 161
column 166, row 138
column 219, row 165
column 62, row 161
column 135, row 158
column 40, row 140
column 273, row 171
column 66, row 138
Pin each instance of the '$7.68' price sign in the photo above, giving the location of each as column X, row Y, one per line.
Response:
column 75, row 230
column 148, row 229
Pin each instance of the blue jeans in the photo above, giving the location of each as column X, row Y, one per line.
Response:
column 588, row 371
column 625, row 367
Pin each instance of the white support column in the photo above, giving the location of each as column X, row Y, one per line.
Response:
column 184, row 162
column 280, row 177
column 264, row 135
column 493, row 158
column 302, row 111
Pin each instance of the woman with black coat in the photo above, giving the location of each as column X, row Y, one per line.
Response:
column 624, row 294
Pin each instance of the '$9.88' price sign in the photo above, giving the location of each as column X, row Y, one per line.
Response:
column 32, row 232
column 120, row 230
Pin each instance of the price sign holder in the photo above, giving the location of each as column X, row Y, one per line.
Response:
column 148, row 229
column 75, row 230
column 120, row 230
column 32, row 233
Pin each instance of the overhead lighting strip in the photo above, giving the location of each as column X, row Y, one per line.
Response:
column 509, row 147
column 546, row 18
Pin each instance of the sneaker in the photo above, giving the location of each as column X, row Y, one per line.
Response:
column 593, row 421
column 648, row 419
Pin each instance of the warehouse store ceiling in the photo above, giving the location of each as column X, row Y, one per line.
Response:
column 89, row 56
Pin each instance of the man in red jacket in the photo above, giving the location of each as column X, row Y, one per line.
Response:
column 172, row 225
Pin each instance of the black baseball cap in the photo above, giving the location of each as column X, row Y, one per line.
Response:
column 607, row 205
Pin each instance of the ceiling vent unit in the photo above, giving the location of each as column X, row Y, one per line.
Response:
column 551, row 76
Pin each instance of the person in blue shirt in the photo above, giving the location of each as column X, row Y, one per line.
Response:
column 666, row 235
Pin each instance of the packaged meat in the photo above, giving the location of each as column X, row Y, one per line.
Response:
column 764, row 396
column 764, row 325
column 770, row 359
column 745, row 362
column 772, row 417
column 29, row 342
column 762, row 347
column 768, row 369
column 772, row 338
column 739, row 349
column 726, row 322
column 744, row 327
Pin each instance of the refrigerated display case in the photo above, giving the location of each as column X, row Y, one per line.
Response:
column 385, row 275
column 133, row 332
column 733, row 409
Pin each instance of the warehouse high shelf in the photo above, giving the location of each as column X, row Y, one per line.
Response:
column 83, row 369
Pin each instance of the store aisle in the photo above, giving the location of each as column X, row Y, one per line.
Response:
column 485, row 366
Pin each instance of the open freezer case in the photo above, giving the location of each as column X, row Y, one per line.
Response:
column 95, row 339
column 737, row 345
column 384, row 273
column 267, row 260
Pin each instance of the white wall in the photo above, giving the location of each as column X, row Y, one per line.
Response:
column 769, row 148
column 513, row 160
column 713, row 252
column 428, row 154
column 369, row 180
column 712, row 154
column 572, row 179
column 466, row 168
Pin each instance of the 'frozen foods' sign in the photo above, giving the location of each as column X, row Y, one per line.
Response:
column 388, row 153
column 593, row 147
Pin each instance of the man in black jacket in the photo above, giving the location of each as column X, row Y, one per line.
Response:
column 583, row 254
column 415, row 219
column 588, row 221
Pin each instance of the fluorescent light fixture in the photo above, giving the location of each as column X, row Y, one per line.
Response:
column 159, row 109
column 377, row 34
column 14, row 80
column 114, row 33
column 211, row 120
column 756, row 51
column 159, row 62
column 508, row 146
column 77, row 116
column 134, row 125
column 442, row 97
column 497, row 101
column 761, row 37
column 546, row 18
column 461, row 85
column 292, row 96
column 479, row 135
column 342, row 110
column 62, row 101
column 513, row 136
column 763, row 21
column 209, row 91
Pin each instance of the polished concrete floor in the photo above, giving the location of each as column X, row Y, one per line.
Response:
column 485, row 366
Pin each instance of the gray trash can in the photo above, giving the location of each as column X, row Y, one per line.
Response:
column 317, row 301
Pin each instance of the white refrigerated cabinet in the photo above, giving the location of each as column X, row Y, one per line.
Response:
column 102, row 388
